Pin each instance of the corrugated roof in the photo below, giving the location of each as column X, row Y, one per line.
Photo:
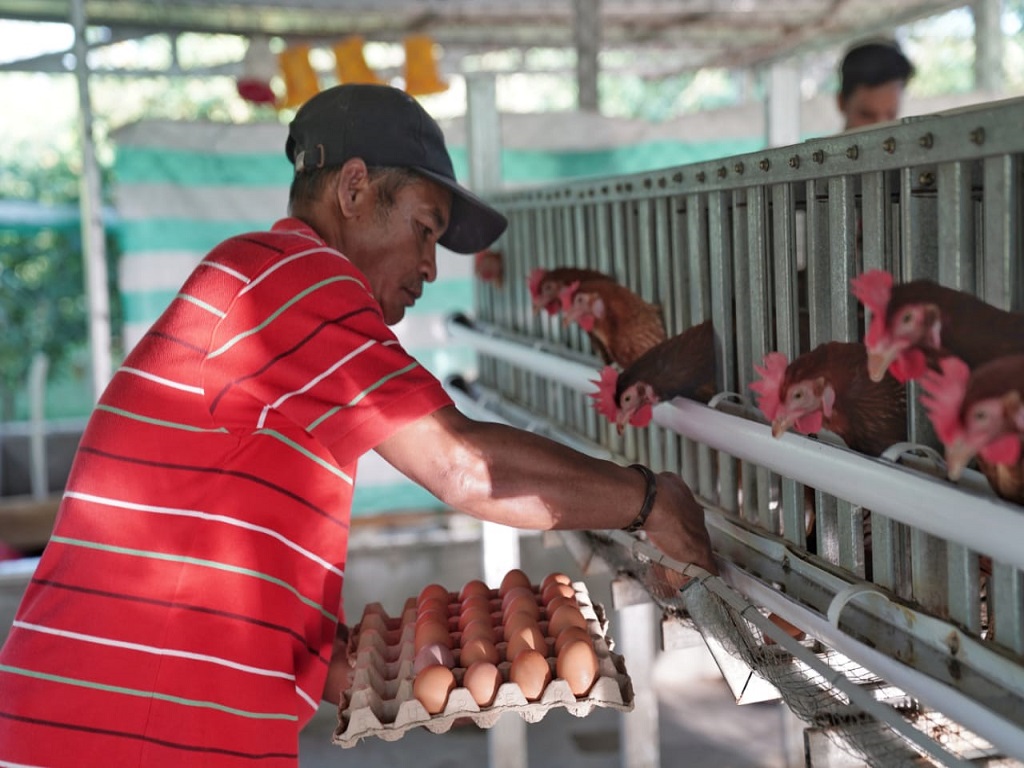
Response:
column 678, row 34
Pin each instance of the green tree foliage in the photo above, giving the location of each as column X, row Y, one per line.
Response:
column 42, row 281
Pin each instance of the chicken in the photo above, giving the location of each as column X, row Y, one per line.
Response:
column 546, row 285
column 619, row 320
column 978, row 414
column 488, row 267
column 915, row 324
column 682, row 366
column 829, row 388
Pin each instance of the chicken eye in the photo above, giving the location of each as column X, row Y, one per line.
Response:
column 907, row 318
column 798, row 395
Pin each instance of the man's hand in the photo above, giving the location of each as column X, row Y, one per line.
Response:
column 676, row 527
column 339, row 673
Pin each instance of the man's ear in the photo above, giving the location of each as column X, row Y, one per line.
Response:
column 353, row 182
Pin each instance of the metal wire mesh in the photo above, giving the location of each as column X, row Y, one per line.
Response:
column 860, row 712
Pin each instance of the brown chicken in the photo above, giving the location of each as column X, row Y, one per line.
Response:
column 622, row 323
column 829, row 388
column 915, row 324
column 683, row 366
column 979, row 415
column 546, row 285
column 488, row 267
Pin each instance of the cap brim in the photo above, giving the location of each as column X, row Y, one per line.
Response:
column 472, row 224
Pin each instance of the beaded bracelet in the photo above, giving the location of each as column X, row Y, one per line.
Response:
column 649, row 496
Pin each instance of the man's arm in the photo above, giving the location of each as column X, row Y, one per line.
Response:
column 509, row 476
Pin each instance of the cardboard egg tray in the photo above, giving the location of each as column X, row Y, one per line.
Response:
column 380, row 701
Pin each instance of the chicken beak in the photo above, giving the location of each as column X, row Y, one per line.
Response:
column 781, row 425
column 958, row 456
column 620, row 422
column 879, row 361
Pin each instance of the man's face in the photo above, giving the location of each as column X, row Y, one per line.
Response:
column 397, row 248
column 868, row 105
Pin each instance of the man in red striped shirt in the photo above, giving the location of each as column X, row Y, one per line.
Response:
column 187, row 610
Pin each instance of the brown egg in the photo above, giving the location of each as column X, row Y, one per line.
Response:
column 555, row 578
column 514, row 578
column 433, row 605
column 569, row 634
column 432, row 654
column 432, row 686
column 474, row 587
column 433, row 615
column 482, row 680
column 514, row 593
column 557, row 602
column 566, row 615
column 577, row 665
column 476, row 603
column 473, row 613
column 520, row 602
column 530, row 671
column 478, row 628
column 478, row 649
column 516, row 621
column 554, row 590
column 528, row 638
column 430, row 632
column 432, row 590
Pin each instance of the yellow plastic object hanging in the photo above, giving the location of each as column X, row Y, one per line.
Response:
column 421, row 75
column 350, row 63
column 300, row 80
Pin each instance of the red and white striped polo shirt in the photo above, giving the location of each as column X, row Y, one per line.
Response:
column 184, row 610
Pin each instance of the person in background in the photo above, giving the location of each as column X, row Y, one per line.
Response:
column 873, row 76
column 187, row 610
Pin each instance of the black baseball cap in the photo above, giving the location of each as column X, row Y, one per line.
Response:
column 386, row 126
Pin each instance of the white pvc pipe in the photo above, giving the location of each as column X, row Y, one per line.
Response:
column 1002, row 734
column 567, row 372
column 930, row 505
column 909, row 497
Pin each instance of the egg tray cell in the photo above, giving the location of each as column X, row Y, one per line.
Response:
column 380, row 701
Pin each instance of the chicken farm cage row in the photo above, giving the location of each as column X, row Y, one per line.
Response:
column 765, row 245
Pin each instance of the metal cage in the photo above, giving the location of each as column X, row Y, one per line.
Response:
column 765, row 245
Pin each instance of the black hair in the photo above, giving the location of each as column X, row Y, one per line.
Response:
column 873, row 63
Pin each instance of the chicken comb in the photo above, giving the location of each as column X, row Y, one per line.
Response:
column 769, row 387
column 943, row 396
column 604, row 398
column 534, row 280
column 873, row 289
column 567, row 293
